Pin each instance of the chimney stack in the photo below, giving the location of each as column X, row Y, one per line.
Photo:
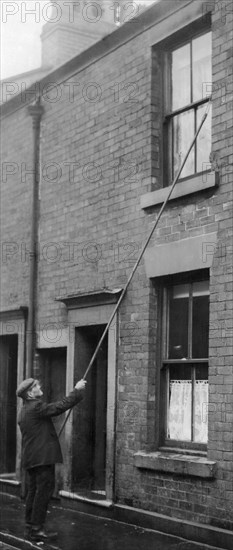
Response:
column 74, row 27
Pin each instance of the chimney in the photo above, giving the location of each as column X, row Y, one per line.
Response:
column 74, row 27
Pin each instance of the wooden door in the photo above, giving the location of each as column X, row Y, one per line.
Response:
column 89, row 420
column 8, row 383
column 4, row 359
column 53, row 378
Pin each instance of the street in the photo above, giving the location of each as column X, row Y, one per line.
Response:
column 81, row 531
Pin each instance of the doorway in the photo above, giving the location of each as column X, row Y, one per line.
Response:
column 8, row 408
column 89, row 418
column 53, row 379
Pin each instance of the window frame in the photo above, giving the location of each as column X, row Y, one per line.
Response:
column 165, row 290
column 169, row 114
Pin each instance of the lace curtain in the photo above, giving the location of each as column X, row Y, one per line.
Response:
column 180, row 410
column 201, row 408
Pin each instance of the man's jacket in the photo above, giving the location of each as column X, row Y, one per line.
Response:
column 40, row 443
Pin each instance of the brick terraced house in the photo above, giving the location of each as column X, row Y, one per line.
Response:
column 88, row 156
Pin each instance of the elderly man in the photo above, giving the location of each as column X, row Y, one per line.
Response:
column 41, row 450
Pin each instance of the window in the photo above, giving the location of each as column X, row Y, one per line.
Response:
column 185, row 362
column 188, row 80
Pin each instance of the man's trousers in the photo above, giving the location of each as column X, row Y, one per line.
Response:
column 41, row 483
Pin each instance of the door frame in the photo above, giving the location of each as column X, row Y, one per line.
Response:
column 13, row 322
column 77, row 318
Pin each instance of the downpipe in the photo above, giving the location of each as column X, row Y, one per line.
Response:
column 35, row 111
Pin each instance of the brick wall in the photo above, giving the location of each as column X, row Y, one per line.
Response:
column 100, row 151
column 98, row 157
column 198, row 500
column 16, row 197
column 221, row 335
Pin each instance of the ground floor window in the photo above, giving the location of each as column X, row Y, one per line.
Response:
column 185, row 361
column 188, row 398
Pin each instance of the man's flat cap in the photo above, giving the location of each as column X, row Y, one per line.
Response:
column 24, row 387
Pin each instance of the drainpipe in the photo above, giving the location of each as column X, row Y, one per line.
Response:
column 35, row 111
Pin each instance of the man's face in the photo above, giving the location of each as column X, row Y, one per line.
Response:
column 36, row 390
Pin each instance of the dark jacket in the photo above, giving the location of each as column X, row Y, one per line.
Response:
column 40, row 443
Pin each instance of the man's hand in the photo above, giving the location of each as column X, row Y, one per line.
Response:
column 80, row 385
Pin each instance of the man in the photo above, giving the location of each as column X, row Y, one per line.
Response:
column 41, row 450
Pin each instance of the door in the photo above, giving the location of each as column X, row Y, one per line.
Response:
column 53, row 379
column 8, row 385
column 89, row 419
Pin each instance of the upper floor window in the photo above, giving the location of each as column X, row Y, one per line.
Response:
column 188, row 83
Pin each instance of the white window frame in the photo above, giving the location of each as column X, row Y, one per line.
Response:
column 169, row 114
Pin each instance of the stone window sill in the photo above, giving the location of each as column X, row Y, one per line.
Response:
column 176, row 463
column 195, row 184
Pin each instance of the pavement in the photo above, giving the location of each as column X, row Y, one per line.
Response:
column 81, row 531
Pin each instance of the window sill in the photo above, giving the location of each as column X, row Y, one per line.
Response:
column 176, row 463
column 195, row 184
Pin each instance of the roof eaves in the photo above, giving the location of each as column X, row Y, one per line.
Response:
column 156, row 13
